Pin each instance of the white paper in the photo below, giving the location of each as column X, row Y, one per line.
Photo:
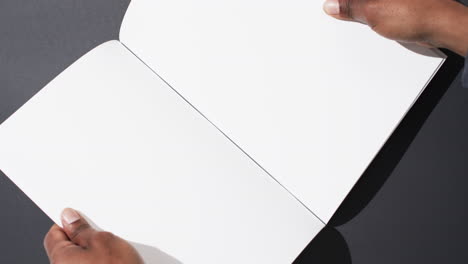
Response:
column 311, row 99
column 110, row 138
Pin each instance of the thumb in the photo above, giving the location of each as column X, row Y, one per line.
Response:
column 76, row 227
column 349, row 10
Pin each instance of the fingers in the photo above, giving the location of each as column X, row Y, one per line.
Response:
column 55, row 239
column 349, row 10
column 78, row 242
column 77, row 228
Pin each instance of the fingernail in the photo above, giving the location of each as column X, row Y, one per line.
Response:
column 332, row 7
column 70, row 216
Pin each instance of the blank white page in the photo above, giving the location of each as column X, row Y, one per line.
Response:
column 311, row 99
column 111, row 139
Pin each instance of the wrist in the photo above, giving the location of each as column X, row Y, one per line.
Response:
column 450, row 28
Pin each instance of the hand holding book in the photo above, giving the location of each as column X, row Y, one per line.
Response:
column 433, row 23
column 78, row 242
column 300, row 141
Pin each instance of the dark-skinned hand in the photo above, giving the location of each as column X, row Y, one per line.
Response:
column 78, row 243
column 434, row 23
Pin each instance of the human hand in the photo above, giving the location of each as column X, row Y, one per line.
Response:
column 434, row 23
column 79, row 243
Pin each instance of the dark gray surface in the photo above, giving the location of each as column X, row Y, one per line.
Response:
column 418, row 216
column 38, row 40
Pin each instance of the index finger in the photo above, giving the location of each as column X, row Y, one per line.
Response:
column 55, row 239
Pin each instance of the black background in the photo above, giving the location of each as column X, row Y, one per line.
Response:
column 410, row 206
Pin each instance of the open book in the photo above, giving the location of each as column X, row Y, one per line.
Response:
column 216, row 131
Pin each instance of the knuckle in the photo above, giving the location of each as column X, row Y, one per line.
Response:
column 49, row 239
column 78, row 230
column 49, row 234
column 346, row 8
